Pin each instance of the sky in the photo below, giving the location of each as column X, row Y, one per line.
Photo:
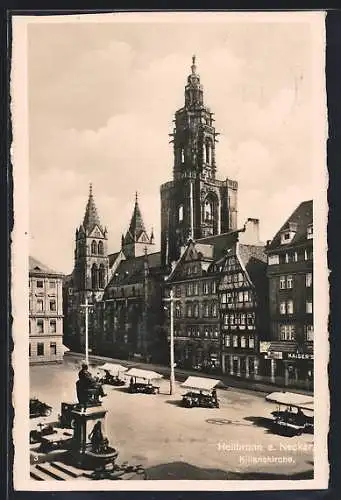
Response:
column 102, row 98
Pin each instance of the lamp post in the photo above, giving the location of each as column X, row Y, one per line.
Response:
column 87, row 306
column 172, row 364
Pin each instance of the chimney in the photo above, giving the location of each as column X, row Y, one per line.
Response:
column 250, row 235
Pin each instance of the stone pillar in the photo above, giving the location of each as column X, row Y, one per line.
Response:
column 273, row 370
column 238, row 366
column 256, row 367
column 247, row 367
column 231, row 364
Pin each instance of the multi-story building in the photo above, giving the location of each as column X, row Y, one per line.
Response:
column 290, row 273
column 195, row 204
column 243, row 301
column 45, row 313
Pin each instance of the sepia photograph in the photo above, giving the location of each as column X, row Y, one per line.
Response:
column 169, row 255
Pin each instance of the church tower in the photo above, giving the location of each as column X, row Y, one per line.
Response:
column 195, row 204
column 91, row 252
column 136, row 240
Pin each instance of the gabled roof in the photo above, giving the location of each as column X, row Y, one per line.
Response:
column 303, row 217
column 112, row 258
column 220, row 242
column 36, row 267
column 91, row 218
column 131, row 271
column 252, row 252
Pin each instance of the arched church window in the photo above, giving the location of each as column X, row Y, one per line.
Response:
column 181, row 213
column 94, row 247
column 208, row 210
column 94, row 277
column 208, row 152
column 101, row 276
column 100, row 248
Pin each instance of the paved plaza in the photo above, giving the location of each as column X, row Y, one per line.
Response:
column 172, row 442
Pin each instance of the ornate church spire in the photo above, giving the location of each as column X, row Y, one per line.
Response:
column 194, row 94
column 136, row 224
column 91, row 218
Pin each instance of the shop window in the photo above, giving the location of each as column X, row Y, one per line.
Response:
column 309, row 333
column 40, row 349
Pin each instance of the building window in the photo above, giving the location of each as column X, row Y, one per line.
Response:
column 282, row 282
column 94, row 276
column 29, row 349
column 100, row 248
column 273, row 260
column 242, row 341
column 214, row 287
column 40, row 326
column 251, row 342
column 308, row 280
column 196, row 310
column 29, row 326
column 40, row 284
column 53, row 348
column 40, row 349
column 286, row 258
column 289, row 281
column 226, row 319
column 40, row 305
column 206, row 288
column 250, row 321
column 182, row 155
column 178, row 291
column 214, row 310
column 287, row 332
column 206, row 310
column 290, row 307
column 52, row 305
column 206, row 332
column 181, row 213
column 189, row 290
column 52, row 284
column 242, row 321
column 101, row 276
column 195, row 289
column 223, row 299
column 282, row 307
column 189, row 310
column 53, row 326
column 227, row 341
column 295, row 257
column 216, row 333
column 309, row 333
column 178, row 310
column 309, row 307
column 235, row 341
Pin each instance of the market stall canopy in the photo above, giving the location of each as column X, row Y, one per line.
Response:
column 292, row 399
column 112, row 368
column 200, row 383
column 144, row 374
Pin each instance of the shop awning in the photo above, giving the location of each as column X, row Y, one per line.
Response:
column 200, row 383
column 292, row 399
column 289, row 347
column 144, row 374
